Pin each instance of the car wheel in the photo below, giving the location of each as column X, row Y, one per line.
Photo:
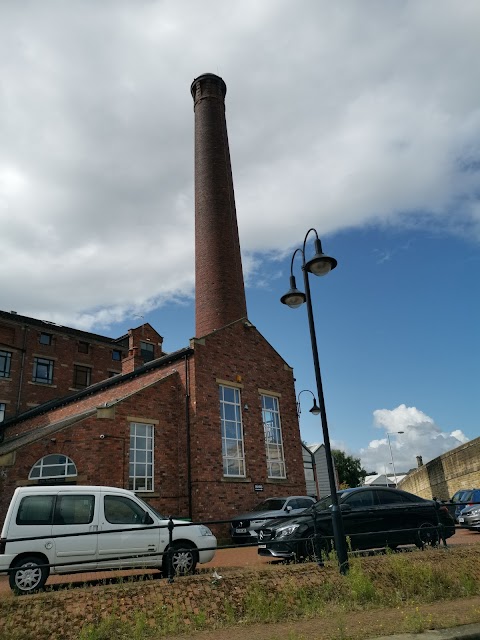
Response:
column 29, row 576
column 184, row 558
column 427, row 535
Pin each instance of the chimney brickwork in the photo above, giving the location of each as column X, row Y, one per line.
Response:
column 219, row 286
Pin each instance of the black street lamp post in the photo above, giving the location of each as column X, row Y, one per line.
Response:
column 319, row 265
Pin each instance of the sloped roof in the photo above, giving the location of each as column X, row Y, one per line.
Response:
column 95, row 388
column 78, row 413
column 315, row 447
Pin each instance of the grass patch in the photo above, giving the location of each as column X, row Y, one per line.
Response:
column 149, row 609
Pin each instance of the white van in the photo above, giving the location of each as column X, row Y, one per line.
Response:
column 112, row 528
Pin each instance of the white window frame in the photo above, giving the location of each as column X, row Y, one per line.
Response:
column 3, row 410
column 144, row 482
column 6, row 357
column 272, row 429
column 232, row 433
column 45, row 466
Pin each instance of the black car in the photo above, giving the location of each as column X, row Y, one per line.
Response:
column 372, row 518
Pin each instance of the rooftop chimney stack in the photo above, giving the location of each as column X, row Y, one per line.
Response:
column 219, row 286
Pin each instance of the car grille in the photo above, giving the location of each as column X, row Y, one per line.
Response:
column 264, row 535
column 240, row 524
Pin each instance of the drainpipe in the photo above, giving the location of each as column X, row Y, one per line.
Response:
column 22, row 366
column 187, row 422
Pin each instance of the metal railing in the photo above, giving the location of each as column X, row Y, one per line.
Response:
column 321, row 542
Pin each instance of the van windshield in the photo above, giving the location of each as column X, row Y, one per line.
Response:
column 149, row 506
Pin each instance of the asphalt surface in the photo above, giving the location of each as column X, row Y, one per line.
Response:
column 465, row 632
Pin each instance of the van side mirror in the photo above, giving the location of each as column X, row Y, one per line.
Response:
column 147, row 519
column 288, row 508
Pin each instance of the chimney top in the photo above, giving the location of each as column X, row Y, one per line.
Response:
column 211, row 77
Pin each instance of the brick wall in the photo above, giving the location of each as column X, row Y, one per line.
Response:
column 105, row 461
column 443, row 476
column 238, row 354
column 65, row 351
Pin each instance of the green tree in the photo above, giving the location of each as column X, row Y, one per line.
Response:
column 349, row 469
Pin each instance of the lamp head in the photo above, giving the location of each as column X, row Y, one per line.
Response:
column 315, row 409
column 320, row 264
column 293, row 298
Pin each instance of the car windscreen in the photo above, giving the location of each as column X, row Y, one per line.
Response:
column 272, row 504
column 324, row 503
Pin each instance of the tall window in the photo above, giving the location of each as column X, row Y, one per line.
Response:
column 232, row 432
column 147, row 351
column 81, row 376
column 43, row 370
column 3, row 408
column 273, row 437
column 5, row 362
column 116, row 354
column 53, row 466
column 141, row 457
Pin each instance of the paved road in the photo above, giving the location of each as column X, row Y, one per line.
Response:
column 238, row 557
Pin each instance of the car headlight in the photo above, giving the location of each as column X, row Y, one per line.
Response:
column 474, row 512
column 287, row 530
column 258, row 523
column 204, row 531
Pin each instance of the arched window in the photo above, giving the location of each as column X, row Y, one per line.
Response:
column 53, row 466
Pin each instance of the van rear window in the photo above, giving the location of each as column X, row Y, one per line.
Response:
column 35, row 510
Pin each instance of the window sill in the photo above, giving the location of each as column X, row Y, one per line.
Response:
column 43, row 384
column 228, row 479
column 5, row 379
column 277, row 480
column 149, row 494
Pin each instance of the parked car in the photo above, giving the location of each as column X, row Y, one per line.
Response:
column 468, row 498
column 456, row 503
column 245, row 527
column 373, row 517
column 469, row 517
column 81, row 528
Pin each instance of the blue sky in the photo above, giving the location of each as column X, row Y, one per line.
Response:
column 360, row 119
column 397, row 324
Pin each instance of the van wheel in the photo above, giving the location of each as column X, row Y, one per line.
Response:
column 29, row 575
column 184, row 559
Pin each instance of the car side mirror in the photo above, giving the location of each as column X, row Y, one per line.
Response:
column 288, row 508
column 345, row 507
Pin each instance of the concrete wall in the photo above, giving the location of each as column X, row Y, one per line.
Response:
column 443, row 476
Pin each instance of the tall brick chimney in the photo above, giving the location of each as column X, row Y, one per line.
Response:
column 219, row 286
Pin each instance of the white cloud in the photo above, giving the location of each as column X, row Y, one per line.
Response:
column 370, row 112
column 420, row 437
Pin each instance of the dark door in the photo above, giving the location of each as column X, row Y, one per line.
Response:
column 362, row 518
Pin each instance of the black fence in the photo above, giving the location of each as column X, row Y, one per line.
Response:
column 320, row 543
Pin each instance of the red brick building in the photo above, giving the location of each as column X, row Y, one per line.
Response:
column 199, row 432
column 41, row 361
